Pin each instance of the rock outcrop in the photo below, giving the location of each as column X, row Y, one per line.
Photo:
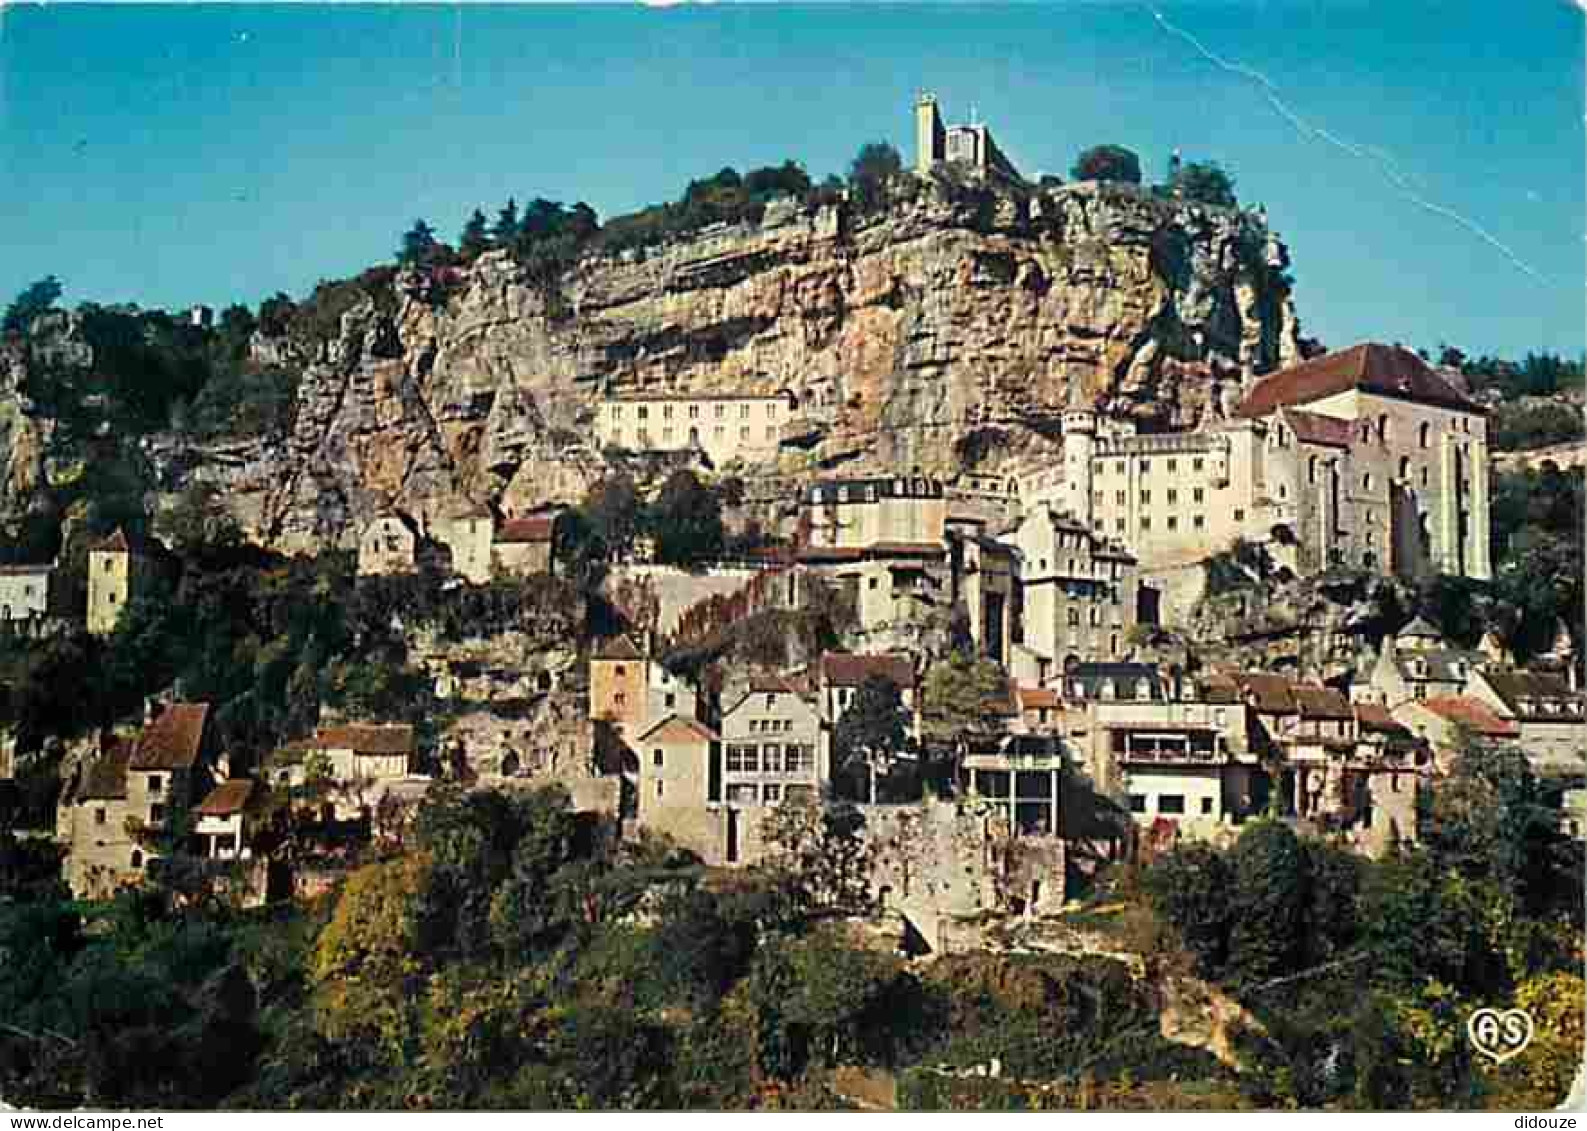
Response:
column 944, row 333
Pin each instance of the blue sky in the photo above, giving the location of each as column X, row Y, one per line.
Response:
column 169, row 155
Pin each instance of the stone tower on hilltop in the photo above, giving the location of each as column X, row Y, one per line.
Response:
column 929, row 134
column 969, row 147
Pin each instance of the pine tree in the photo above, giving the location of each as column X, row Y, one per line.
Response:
column 505, row 231
column 417, row 245
column 474, row 238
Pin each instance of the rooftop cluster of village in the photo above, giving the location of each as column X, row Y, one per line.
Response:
column 1041, row 721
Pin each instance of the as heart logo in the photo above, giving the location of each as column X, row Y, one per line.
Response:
column 1500, row 1035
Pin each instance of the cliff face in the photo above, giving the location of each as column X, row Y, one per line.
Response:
column 946, row 333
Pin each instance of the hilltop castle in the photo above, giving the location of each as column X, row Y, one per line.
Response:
column 968, row 146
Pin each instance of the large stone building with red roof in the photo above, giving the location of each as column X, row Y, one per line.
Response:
column 1364, row 458
column 112, row 815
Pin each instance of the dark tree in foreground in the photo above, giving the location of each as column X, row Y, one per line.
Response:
column 872, row 731
column 1267, row 901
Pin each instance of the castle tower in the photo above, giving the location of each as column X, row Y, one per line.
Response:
column 1079, row 440
column 110, row 569
column 1478, row 564
column 1447, row 552
column 930, row 137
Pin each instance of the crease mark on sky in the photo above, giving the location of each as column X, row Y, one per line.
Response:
column 1370, row 154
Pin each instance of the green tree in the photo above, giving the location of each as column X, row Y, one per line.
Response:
column 1107, row 163
column 475, row 238
column 494, row 856
column 819, row 849
column 1420, row 922
column 276, row 314
column 504, row 232
column 699, row 948
column 1492, row 819
column 1267, row 899
column 1333, row 891
column 367, row 963
column 820, row 1003
column 613, row 511
column 35, row 299
column 419, row 245
column 1205, row 183
column 686, row 521
column 873, row 169
column 787, row 179
column 199, row 521
column 871, row 732
column 1191, row 888
column 956, row 694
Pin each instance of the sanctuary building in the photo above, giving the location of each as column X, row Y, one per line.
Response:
column 1365, row 458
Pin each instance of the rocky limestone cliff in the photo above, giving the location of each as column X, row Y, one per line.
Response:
column 945, row 333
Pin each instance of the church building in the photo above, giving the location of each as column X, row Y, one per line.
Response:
column 1364, row 458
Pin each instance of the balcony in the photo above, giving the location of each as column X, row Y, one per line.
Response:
column 1201, row 748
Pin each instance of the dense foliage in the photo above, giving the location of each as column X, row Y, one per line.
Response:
column 1536, row 375
column 1204, row 183
column 1484, row 912
column 1522, row 425
column 1107, row 163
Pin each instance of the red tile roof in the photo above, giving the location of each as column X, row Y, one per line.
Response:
column 829, row 554
column 840, row 669
column 172, row 741
column 906, row 549
column 106, row 777
column 1315, row 428
column 1376, row 717
column 1473, row 715
column 1270, row 694
column 1386, row 370
column 1321, row 703
column 116, row 542
column 228, row 798
column 538, row 529
column 677, row 728
column 768, row 684
column 617, row 648
column 1535, row 696
column 367, row 738
column 1217, row 687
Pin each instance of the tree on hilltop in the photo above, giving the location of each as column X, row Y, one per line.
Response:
column 418, row 245
column 504, row 233
column 474, row 239
column 35, row 299
column 876, row 164
column 1205, row 183
column 1107, row 163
